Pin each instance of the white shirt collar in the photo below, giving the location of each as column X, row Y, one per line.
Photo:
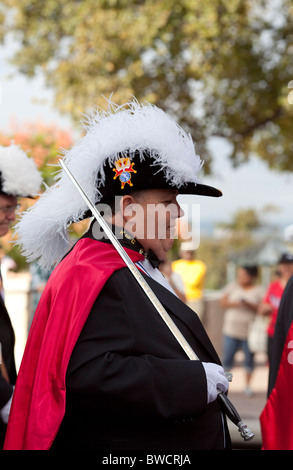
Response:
column 155, row 274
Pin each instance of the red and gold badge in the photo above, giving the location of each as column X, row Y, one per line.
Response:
column 124, row 169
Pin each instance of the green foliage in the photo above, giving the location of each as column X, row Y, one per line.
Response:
column 215, row 254
column 244, row 220
column 222, row 67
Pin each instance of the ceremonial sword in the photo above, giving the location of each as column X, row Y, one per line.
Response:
column 226, row 405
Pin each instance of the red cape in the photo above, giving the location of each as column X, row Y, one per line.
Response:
column 277, row 416
column 39, row 398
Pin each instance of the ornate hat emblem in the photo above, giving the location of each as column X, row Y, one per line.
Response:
column 124, row 169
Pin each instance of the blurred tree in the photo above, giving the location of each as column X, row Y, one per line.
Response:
column 250, row 219
column 215, row 254
column 244, row 220
column 222, row 67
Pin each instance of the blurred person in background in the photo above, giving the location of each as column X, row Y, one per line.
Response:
column 241, row 300
column 193, row 273
column 18, row 178
column 173, row 278
column 271, row 301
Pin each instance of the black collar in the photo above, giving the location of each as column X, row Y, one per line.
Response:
column 126, row 240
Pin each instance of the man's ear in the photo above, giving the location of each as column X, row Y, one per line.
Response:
column 127, row 207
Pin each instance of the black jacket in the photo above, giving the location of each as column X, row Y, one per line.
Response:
column 7, row 341
column 130, row 385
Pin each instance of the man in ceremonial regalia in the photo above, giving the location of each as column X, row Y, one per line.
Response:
column 101, row 370
column 18, row 177
column 276, row 418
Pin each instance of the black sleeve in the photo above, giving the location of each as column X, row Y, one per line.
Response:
column 5, row 391
column 123, row 361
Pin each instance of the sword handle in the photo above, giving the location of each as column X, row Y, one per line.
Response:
column 233, row 415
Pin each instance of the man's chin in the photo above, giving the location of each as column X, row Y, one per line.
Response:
column 166, row 247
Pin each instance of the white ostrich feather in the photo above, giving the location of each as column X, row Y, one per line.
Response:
column 19, row 174
column 42, row 230
column 288, row 233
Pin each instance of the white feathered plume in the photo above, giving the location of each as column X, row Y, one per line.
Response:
column 18, row 173
column 288, row 233
column 42, row 230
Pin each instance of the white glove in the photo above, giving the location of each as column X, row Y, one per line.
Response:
column 216, row 380
column 4, row 412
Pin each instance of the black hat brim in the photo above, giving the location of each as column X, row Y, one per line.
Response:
column 200, row 190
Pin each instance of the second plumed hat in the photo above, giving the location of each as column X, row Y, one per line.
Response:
column 19, row 176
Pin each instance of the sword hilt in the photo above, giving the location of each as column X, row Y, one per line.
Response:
column 233, row 415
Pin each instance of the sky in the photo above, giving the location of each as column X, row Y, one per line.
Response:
column 251, row 185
